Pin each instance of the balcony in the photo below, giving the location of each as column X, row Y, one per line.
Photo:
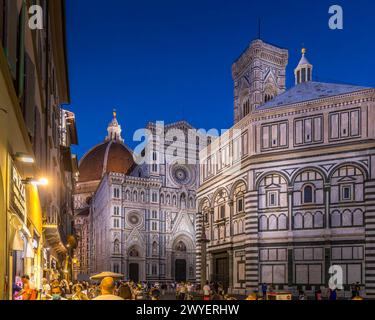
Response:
column 51, row 227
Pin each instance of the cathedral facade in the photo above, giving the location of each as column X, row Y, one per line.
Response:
column 138, row 219
column 287, row 195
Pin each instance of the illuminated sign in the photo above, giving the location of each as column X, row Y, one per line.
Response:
column 17, row 194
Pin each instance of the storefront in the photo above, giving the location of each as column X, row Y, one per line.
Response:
column 25, row 229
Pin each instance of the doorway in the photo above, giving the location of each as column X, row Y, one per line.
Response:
column 221, row 268
column 134, row 272
column 180, row 270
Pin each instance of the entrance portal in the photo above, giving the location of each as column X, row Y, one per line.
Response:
column 134, row 272
column 180, row 270
column 221, row 268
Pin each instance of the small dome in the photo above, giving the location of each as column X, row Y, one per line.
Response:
column 110, row 156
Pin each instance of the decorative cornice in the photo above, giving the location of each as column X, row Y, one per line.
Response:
column 259, row 50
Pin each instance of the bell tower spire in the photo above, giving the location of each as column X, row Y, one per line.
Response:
column 303, row 72
column 114, row 129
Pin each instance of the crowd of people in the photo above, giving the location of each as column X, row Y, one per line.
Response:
column 112, row 289
column 329, row 294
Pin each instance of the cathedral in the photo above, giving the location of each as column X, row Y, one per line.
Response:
column 138, row 219
column 287, row 195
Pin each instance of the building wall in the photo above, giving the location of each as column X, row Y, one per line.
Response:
column 148, row 217
column 28, row 126
column 324, row 147
column 131, row 228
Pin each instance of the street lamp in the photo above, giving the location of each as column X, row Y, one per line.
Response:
column 25, row 158
column 36, row 182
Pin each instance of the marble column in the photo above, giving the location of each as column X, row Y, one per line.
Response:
column 231, row 213
column 230, row 271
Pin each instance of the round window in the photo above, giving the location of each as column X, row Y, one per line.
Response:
column 181, row 174
column 134, row 219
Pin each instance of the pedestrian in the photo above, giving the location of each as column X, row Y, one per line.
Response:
column 17, row 287
column 183, row 291
column 46, row 290
column 78, row 293
column 206, row 292
column 221, row 290
column 318, row 294
column 264, row 290
column 26, row 292
column 125, row 292
column 302, row 295
column 357, row 289
column 163, row 289
column 155, row 293
column 56, row 290
column 107, row 289
column 332, row 294
column 138, row 292
column 190, row 289
column 215, row 287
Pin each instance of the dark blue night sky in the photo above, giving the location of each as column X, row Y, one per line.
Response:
column 171, row 59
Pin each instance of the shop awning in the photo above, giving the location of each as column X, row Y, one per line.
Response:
column 18, row 243
column 29, row 250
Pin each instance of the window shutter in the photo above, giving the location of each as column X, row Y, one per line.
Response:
column 30, row 96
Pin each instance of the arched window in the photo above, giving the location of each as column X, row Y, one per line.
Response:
column 282, row 222
column 308, row 221
column 308, row 194
column 298, row 221
column 358, row 218
column 263, row 223
column 235, row 228
column 335, row 219
column 272, row 222
column 191, row 202
column 318, row 220
column 268, row 97
column 135, row 196
column 347, row 218
column 183, row 201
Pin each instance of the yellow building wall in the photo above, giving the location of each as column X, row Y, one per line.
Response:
column 13, row 139
column 34, row 209
column 3, row 216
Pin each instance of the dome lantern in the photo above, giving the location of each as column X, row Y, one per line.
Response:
column 114, row 129
column 303, row 72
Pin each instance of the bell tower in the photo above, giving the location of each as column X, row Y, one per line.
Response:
column 259, row 76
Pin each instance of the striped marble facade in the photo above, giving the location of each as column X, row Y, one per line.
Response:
column 298, row 196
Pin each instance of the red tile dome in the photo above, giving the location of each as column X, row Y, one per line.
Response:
column 110, row 156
